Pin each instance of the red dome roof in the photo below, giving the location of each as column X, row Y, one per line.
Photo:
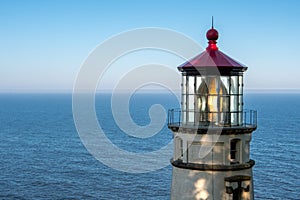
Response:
column 212, row 57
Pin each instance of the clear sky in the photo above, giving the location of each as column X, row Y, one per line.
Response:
column 44, row 43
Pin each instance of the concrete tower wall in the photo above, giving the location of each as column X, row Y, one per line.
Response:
column 210, row 149
column 208, row 185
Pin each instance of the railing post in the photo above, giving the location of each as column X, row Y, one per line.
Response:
column 251, row 122
column 172, row 116
column 169, row 116
column 179, row 117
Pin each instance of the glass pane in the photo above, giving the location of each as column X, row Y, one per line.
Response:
column 240, row 117
column 240, row 109
column 183, row 108
column 191, row 117
column 198, row 83
column 223, row 100
column 191, row 88
column 234, row 85
column 241, row 85
column 225, row 81
column 183, row 102
column 234, row 117
column 183, row 117
column 224, row 109
column 191, row 102
column 203, row 88
column 233, row 103
column 187, row 84
column 212, row 84
column 240, row 106
column 183, row 85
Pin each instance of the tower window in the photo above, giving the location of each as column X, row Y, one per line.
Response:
column 234, row 151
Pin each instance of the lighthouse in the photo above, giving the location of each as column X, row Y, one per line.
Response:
column 212, row 130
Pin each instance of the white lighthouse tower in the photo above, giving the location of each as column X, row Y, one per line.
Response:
column 212, row 132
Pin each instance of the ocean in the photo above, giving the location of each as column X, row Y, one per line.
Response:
column 42, row 156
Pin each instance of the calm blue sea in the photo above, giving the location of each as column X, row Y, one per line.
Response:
column 42, row 157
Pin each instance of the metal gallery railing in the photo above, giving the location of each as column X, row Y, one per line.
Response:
column 178, row 117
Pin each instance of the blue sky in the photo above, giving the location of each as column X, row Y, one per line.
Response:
column 44, row 43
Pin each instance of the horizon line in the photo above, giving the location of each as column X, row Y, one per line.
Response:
column 159, row 91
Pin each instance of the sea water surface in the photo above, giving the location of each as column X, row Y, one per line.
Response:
column 42, row 156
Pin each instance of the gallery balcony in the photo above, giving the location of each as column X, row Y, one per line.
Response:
column 243, row 121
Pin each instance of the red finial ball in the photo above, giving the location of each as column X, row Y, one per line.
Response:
column 212, row 34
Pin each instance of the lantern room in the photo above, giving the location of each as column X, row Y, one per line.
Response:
column 212, row 88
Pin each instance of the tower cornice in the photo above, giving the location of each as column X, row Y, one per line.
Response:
column 212, row 167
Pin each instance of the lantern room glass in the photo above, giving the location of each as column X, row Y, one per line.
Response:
column 212, row 100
